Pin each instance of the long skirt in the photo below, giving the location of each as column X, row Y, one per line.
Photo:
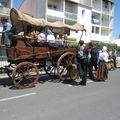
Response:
column 102, row 71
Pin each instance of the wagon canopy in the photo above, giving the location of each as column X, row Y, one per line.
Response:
column 19, row 19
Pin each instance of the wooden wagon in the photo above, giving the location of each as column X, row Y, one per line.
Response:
column 27, row 59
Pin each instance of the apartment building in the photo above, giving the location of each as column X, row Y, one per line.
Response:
column 67, row 11
column 5, row 6
column 102, row 20
column 96, row 15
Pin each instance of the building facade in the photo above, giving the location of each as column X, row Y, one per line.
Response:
column 5, row 6
column 96, row 15
column 102, row 20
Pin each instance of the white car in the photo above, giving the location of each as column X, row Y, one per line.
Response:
column 118, row 60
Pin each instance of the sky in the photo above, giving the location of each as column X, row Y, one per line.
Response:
column 116, row 29
column 17, row 3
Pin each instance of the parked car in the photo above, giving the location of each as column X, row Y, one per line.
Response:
column 118, row 60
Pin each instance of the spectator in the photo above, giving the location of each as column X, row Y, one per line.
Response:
column 93, row 60
column 114, row 55
column 102, row 71
column 82, row 63
column 6, row 31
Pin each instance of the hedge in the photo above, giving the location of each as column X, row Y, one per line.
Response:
column 71, row 42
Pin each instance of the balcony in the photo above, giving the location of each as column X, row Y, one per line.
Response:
column 55, row 13
column 95, row 18
column 111, row 1
column 96, row 5
column 4, row 10
column 95, row 21
column 104, row 31
column 105, row 23
column 111, row 12
column 105, row 11
column 111, row 23
column 71, row 16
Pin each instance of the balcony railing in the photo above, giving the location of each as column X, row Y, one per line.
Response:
column 105, row 23
column 4, row 10
column 96, row 7
column 112, row 12
column 51, row 12
column 71, row 16
column 111, row 24
column 105, row 11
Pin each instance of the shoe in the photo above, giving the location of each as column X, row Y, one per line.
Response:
column 82, row 83
column 92, row 78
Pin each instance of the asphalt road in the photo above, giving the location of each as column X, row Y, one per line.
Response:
column 53, row 100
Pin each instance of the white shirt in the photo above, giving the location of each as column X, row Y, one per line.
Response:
column 51, row 38
column 103, row 56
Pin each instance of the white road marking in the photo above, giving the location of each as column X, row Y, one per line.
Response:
column 16, row 97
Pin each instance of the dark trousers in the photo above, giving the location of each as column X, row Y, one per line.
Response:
column 90, row 69
column 82, row 68
column 5, row 38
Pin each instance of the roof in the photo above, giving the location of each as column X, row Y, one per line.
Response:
column 19, row 19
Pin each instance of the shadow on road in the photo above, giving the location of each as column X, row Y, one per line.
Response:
column 7, row 82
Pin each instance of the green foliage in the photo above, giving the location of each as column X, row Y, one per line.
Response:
column 72, row 42
column 110, row 46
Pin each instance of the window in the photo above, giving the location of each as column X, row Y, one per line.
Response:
column 92, row 29
column 50, row 6
column 97, row 30
column 3, row 4
column 83, row 12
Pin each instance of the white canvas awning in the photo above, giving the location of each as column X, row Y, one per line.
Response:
column 19, row 19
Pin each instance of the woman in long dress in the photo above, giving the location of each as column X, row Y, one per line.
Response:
column 102, row 71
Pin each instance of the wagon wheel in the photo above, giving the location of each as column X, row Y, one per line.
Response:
column 66, row 66
column 50, row 68
column 25, row 75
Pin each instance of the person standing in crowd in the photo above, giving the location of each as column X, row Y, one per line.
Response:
column 102, row 71
column 114, row 55
column 93, row 60
column 82, row 60
column 6, row 31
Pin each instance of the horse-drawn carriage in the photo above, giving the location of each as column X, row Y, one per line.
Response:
column 26, row 57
